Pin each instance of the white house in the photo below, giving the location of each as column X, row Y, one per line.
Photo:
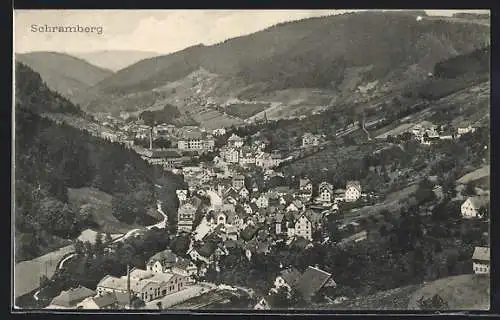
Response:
column 292, row 207
column 263, row 304
column 465, row 130
column 287, row 278
column 219, row 132
column 481, row 260
column 305, row 185
column 325, row 192
column 352, row 191
column 181, row 194
column 309, row 140
column 235, row 141
column 470, row 207
column 302, row 228
column 262, row 201
column 232, row 155
column 244, row 193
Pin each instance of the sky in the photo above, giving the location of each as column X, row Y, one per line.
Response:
column 162, row 31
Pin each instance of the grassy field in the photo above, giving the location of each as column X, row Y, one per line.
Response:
column 212, row 119
column 391, row 203
column 396, row 131
column 246, row 110
column 101, row 209
column 27, row 273
column 395, row 299
column 463, row 292
column 475, row 175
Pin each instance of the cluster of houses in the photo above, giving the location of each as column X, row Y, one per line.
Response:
column 310, row 284
column 165, row 274
column 241, row 216
column 426, row 132
column 311, row 140
column 234, row 152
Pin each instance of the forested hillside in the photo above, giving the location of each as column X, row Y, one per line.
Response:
column 50, row 158
column 320, row 53
column 64, row 73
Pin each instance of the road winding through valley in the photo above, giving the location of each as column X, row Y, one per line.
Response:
column 160, row 225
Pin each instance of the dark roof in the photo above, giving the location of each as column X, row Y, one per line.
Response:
column 182, row 263
column 248, row 233
column 291, row 276
column 162, row 154
column 480, row 201
column 111, row 298
column 311, row 281
column 231, row 192
column 262, row 247
column 208, row 248
column 231, row 244
column 279, row 217
column 72, row 296
column 300, row 242
column 254, row 207
column 165, row 256
column 303, row 182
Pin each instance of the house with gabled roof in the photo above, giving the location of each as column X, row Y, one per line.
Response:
column 230, row 192
column 249, row 232
column 287, row 278
column 184, row 267
column 235, row 141
column 108, row 300
column 69, row 299
column 313, row 281
column 295, row 206
column 254, row 206
column 325, row 192
column 263, row 304
column 280, row 224
column 185, row 217
column 352, row 191
column 208, row 252
column 238, row 182
column 481, row 260
column 182, row 195
column 244, row 193
column 162, row 261
column 262, row 201
column 305, row 185
column 472, row 206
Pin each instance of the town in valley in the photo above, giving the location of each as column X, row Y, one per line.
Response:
column 199, row 190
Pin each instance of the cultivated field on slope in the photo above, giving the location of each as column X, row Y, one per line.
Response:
column 99, row 204
column 463, row 292
column 211, row 119
column 475, row 175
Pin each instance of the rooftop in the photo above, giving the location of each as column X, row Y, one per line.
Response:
column 312, row 280
column 111, row 298
column 72, row 296
column 481, row 254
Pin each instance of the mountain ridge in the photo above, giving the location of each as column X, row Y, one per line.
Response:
column 66, row 74
column 296, row 67
column 114, row 60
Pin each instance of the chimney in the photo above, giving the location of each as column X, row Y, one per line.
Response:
column 128, row 287
column 151, row 138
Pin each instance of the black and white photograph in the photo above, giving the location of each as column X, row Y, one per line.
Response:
column 276, row 160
